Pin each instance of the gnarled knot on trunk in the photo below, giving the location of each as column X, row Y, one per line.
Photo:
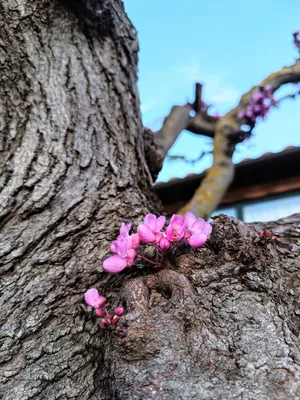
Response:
column 137, row 292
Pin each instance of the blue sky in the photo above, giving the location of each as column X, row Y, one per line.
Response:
column 227, row 46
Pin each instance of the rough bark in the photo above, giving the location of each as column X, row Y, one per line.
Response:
column 221, row 322
column 72, row 168
column 218, row 322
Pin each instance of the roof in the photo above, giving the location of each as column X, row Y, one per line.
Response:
column 281, row 167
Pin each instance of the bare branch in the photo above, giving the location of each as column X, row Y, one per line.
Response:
column 200, row 125
column 172, row 126
column 178, row 120
column 176, row 157
column 227, row 134
column 198, row 98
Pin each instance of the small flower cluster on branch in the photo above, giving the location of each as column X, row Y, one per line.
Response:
column 192, row 230
column 259, row 105
column 93, row 299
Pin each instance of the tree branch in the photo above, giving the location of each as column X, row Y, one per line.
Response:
column 227, row 134
column 179, row 119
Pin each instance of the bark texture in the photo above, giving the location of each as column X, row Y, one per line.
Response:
column 221, row 322
column 72, row 168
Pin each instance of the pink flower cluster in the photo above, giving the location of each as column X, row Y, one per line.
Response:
column 93, row 299
column 192, row 230
column 258, row 106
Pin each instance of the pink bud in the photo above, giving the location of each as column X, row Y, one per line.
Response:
column 99, row 313
column 104, row 323
column 115, row 319
column 164, row 243
column 119, row 310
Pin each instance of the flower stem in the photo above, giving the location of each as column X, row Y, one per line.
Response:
column 146, row 259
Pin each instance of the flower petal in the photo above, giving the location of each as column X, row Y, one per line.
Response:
column 125, row 228
column 178, row 223
column 150, row 220
column 113, row 247
column 114, row 264
column 198, row 225
column 160, row 223
column 145, row 233
column 131, row 255
column 135, row 240
column 197, row 240
column 169, row 232
column 190, row 218
column 93, row 299
column 207, row 229
column 121, row 246
column 158, row 236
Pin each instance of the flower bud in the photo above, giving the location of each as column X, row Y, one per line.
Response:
column 164, row 243
column 115, row 319
column 99, row 313
column 104, row 323
column 119, row 310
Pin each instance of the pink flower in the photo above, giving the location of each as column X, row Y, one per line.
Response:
column 150, row 230
column 93, row 299
column 259, row 105
column 164, row 243
column 99, row 313
column 258, row 96
column 175, row 230
column 133, row 241
column 124, row 258
column 198, row 230
column 119, row 311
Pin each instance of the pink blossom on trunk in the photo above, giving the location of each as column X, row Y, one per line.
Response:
column 119, row 311
column 133, row 241
column 93, row 298
column 198, row 230
column 150, row 230
column 175, row 230
column 124, row 258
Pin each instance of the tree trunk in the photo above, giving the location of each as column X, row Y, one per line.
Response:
column 72, row 168
column 220, row 322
